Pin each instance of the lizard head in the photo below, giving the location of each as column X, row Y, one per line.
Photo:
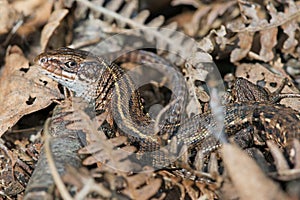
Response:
column 76, row 69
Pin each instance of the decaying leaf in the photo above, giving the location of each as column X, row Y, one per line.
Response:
column 111, row 157
column 255, row 21
column 54, row 21
column 206, row 17
column 245, row 42
column 85, row 183
column 9, row 16
column 37, row 13
column 23, row 90
column 194, row 3
column 244, row 173
column 136, row 190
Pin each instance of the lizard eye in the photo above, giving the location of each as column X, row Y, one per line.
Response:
column 42, row 60
column 71, row 64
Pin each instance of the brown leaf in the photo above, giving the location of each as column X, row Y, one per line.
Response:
column 206, row 14
column 149, row 190
column 8, row 17
column 268, row 40
column 194, row 3
column 291, row 43
column 87, row 184
column 23, row 91
column 245, row 43
column 145, row 192
column 247, row 177
column 188, row 185
column 192, row 27
column 255, row 20
column 37, row 13
column 54, row 21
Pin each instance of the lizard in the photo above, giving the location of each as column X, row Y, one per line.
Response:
column 95, row 79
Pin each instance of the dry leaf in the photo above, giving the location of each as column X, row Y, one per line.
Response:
column 247, row 177
column 141, row 186
column 255, row 20
column 37, row 13
column 54, row 21
column 9, row 16
column 23, row 91
column 290, row 28
column 268, row 40
column 86, row 183
column 194, row 3
column 205, row 17
column 245, row 43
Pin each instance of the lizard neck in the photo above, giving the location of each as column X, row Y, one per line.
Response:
column 100, row 92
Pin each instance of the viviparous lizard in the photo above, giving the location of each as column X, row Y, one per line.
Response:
column 108, row 88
